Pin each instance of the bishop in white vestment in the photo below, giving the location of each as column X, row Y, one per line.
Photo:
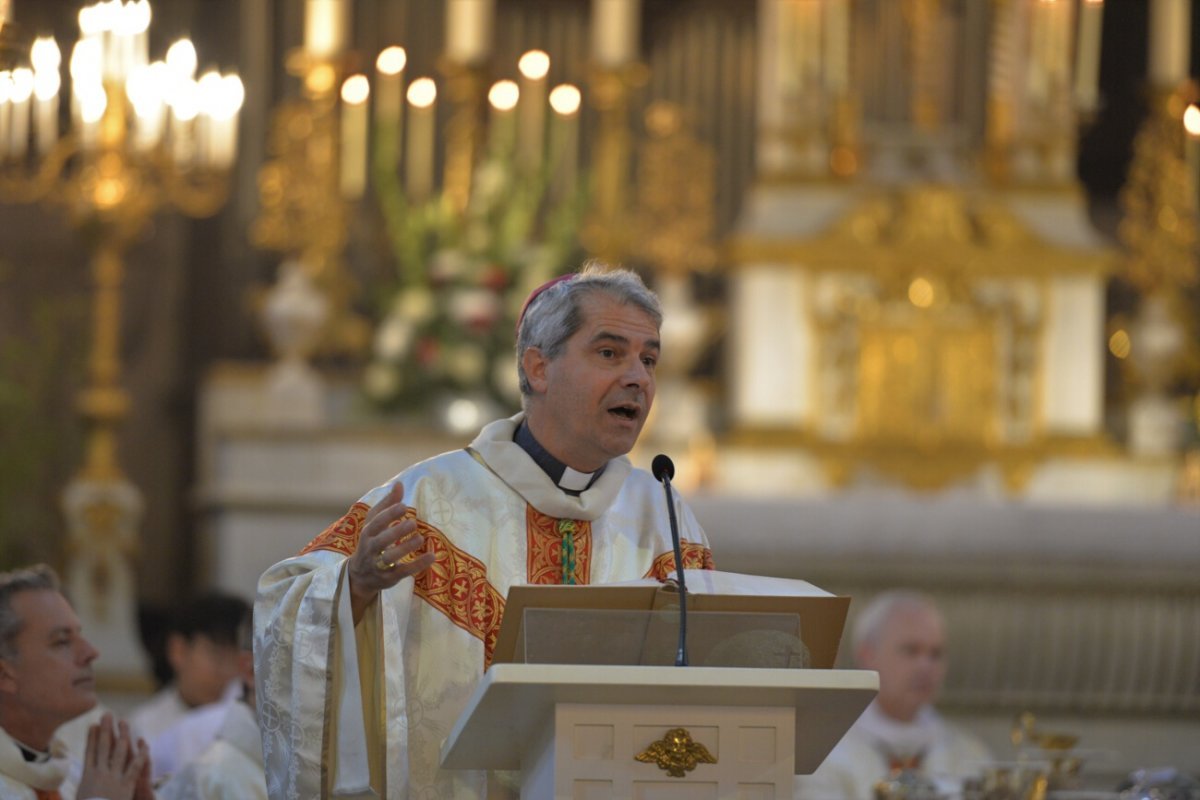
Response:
column 355, row 699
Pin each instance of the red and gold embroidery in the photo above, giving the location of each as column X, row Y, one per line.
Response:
column 341, row 536
column 544, row 540
column 695, row 556
column 456, row 584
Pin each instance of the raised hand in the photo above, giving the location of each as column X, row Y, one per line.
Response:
column 380, row 560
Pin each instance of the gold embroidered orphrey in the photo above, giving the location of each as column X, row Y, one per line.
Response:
column 676, row 753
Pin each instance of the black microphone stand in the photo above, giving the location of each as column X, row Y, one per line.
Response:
column 663, row 469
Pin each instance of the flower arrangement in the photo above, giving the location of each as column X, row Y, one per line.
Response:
column 447, row 318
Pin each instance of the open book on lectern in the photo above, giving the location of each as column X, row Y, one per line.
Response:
column 733, row 620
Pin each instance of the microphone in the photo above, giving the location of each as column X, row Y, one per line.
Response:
column 663, row 469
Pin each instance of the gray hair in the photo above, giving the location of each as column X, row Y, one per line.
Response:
column 554, row 315
column 872, row 620
column 38, row 577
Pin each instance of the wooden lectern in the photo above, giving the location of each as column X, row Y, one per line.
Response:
column 585, row 731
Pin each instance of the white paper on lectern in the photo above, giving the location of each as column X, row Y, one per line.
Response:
column 711, row 581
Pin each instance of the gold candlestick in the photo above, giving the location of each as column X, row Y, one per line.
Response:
column 465, row 90
column 606, row 232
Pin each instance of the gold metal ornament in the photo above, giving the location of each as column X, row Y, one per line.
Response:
column 676, row 753
column 918, row 287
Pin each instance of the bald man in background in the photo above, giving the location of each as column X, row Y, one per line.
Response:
column 900, row 635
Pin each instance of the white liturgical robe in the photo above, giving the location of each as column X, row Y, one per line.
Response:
column 230, row 769
column 22, row 780
column 865, row 756
column 346, row 711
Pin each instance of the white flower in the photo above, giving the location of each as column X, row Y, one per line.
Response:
column 447, row 266
column 415, row 306
column 465, row 364
column 490, row 179
column 470, row 307
column 393, row 338
column 505, row 378
column 381, row 381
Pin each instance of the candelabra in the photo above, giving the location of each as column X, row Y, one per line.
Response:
column 1160, row 235
column 607, row 231
column 303, row 192
column 143, row 137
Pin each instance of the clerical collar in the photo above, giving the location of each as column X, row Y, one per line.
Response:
column 571, row 481
column 30, row 755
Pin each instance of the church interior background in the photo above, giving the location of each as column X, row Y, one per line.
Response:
column 929, row 270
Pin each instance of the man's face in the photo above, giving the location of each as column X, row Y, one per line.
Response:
column 50, row 677
column 592, row 400
column 202, row 667
column 910, row 659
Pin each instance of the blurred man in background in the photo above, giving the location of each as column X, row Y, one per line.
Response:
column 901, row 636
column 203, row 653
column 231, row 768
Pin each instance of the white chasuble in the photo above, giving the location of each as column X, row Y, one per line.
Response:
column 363, row 712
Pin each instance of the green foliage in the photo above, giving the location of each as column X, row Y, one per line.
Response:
column 447, row 318
column 38, row 438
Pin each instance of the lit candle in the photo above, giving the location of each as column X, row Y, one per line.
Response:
column 564, row 140
column 181, row 60
column 139, row 26
column 45, row 110
column 389, row 105
column 21, row 101
column 92, row 103
column 104, row 20
column 86, row 88
column 185, row 106
column 1191, row 124
column 468, row 30
column 531, row 120
column 1087, row 52
column 5, row 112
column 325, row 26
column 147, row 89
column 418, row 159
column 502, row 98
column 223, row 148
column 615, row 32
column 125, row 21
column 1170, row 37
column 46, row 59
column 355, row 92
column 209, row 87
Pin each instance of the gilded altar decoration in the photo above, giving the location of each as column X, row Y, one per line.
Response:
column 1057, row 763
column 676, row 753
column 931, row 318
column 1159, row 232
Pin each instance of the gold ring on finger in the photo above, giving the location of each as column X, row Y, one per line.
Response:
column 382, row 564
